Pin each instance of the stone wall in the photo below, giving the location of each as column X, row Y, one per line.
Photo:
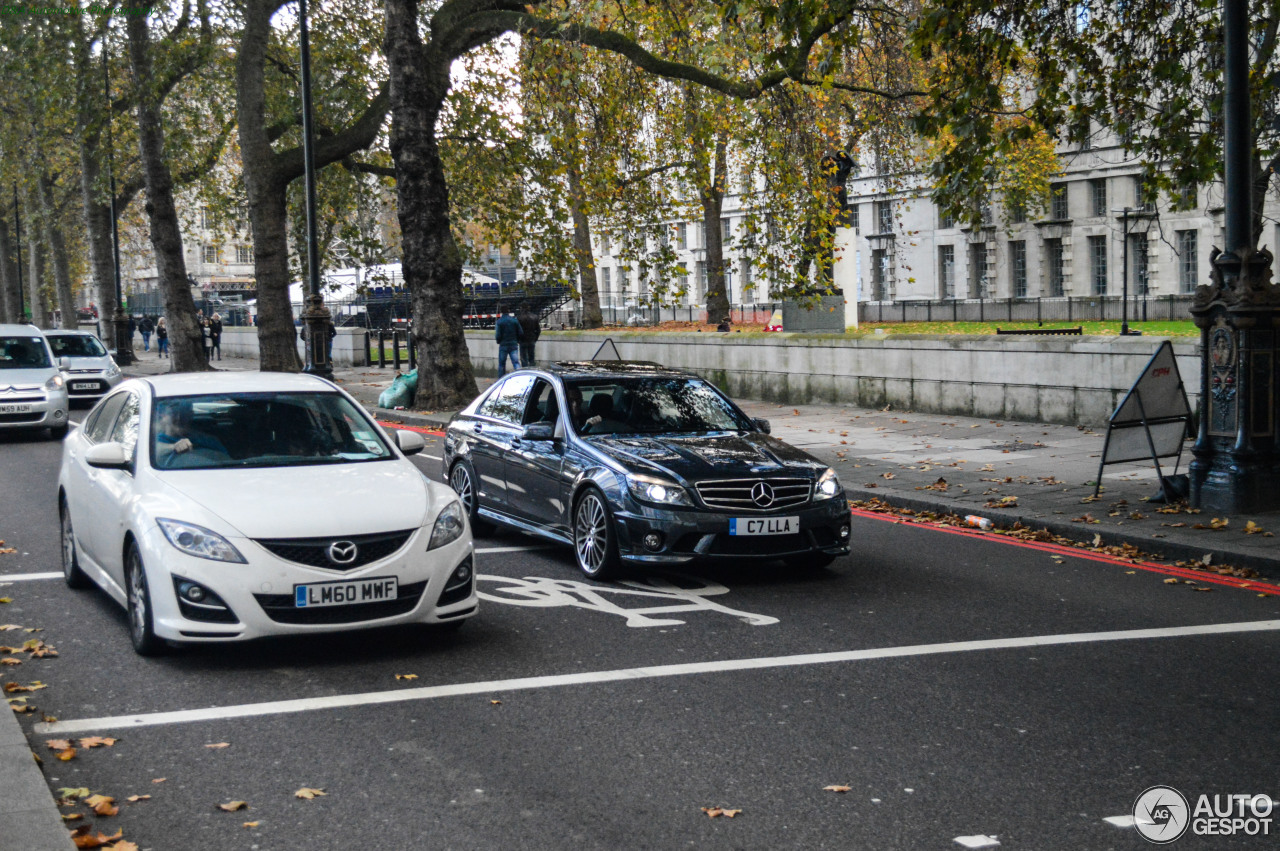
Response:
column 349, row 347
column 1073, row 380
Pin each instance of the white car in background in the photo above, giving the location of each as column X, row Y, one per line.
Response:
column 33, row 393
column 231, row 506
column 88, row 368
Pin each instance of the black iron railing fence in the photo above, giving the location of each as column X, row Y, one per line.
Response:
column 1093, row 308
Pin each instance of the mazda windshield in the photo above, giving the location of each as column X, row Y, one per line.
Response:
column 261, row 430
column 650, row 406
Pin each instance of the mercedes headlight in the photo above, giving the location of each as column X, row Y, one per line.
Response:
column 450, row 523
column 54, row 383
column 828, row 485
column 199, row 542
column 658, row 491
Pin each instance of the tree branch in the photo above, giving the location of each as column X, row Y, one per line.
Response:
column 355, row 167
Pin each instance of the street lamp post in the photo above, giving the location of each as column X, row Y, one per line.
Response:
column 120, row 320
column 1124, row 278
column 315, row 317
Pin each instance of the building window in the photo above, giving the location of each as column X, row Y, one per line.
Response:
column 606, row 284
column 881, row 282
column 700, row 278
column 747, row 279
column 1098, row 196
column 1056, row 266
column 682, row 236
column 604, row 244
column 947, row 271
column 1058, row 202
column 978, row 270
column 855, row 217
column 1141, row 263
column 985, row 214
column 945, row 220
column 726, row 231
column 209, row 254
column 1018, row 267
column 1188, row 261
column 1018, row 212
column 682, row 279
column 884, row 216
column 1188, row 198
column 244, row 254
column 1098, row 264
column 1142, row 197
column 206, row 220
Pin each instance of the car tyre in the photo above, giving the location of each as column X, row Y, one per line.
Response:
column 809, row 561
column 462, row 478
column 71, row 572
column 595, row 544
column 59, row 432
column 141, row 620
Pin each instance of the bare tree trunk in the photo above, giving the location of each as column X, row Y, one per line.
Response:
column 185, row 335
column 57, row 254
column 37, row 300
column 97, row 223
column 712, row 197
column 10, row 286
column 432, row 263
column 589, row 288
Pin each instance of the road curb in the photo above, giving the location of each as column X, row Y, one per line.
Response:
column 414, row 418
column 29, row 817
column 1171, row 550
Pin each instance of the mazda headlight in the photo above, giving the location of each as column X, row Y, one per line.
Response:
column 658, row 491
column 55, row 382
column 450, row 523
column 199, row 542
column 828, row 485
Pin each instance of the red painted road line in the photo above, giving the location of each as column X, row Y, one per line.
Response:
column 418, row 429
column 1059, row 549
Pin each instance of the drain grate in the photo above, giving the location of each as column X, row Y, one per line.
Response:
column 1016, row 447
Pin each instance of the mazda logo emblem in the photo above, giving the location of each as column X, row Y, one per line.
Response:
column 342, row 552
column 762, row 495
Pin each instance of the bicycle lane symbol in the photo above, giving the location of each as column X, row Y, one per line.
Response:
column 653, row 596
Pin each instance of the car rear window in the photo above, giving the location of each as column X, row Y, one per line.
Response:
column 23, row 353
column 75, row 346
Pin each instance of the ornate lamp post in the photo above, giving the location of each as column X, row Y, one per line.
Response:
column 120, row 320
column 315, row 316
column 1237, row 453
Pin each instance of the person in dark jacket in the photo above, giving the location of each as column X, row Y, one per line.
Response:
column 508, row 334
column 215, row 335
column 162, row 339
column 145, row 327
column 531, row 329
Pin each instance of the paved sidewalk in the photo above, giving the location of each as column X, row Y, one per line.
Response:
column 1037, row 474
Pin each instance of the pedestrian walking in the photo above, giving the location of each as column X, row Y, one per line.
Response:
column 145, row 328
column 204, row 332
column 530, row 329
column 162, row 338
column 508, row 334
column 133, row 326
column 215, row 334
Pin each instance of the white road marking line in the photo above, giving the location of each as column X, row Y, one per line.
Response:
column 277, row 707
column 24, row 577
column 1120, row 821
column 981, row 840
column 432, row 457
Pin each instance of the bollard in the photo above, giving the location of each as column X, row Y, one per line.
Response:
column 382, row 349
column 395, row 347
column 413, row 355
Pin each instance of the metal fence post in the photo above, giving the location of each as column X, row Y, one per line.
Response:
column 382, row 349
column 395, row 347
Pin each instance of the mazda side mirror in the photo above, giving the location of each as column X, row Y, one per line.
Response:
column 108, row 456
column 539, row 431
column 761, row 424
column 410, row 442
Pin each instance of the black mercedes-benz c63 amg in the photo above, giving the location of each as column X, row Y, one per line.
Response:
column 640, row 464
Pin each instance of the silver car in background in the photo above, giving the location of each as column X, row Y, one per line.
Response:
column 87, row 366
column 33, row 393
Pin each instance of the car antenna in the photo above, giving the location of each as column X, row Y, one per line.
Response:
column 613, row 348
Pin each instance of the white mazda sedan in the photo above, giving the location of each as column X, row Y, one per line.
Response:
column 229, row 506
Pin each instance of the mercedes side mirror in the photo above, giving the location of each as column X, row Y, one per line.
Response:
column 108, row 456
column 410, row 442
column 761, row 424
column 539, row 431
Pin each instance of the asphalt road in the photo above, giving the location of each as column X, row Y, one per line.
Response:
column 597, row 716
